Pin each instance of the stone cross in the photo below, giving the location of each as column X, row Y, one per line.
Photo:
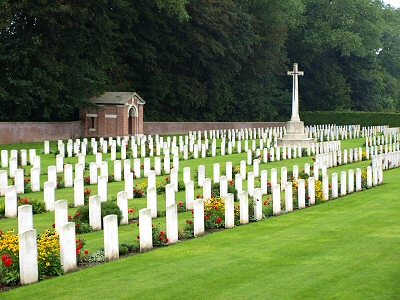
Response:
column 295, row 96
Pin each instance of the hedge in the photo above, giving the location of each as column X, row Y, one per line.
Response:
column 350, row 118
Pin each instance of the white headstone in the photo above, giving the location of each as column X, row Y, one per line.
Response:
column 145, row 230
column 258, row 204
column 207, row 188
column 238, row 183
column 189, row 190
column 68, row 246
column 49, row 195
column 311, row 191
column 79, row 199
column 129, row 185
column 28, row 257
column 19, row 181
column 288, row 196
column 335, row 185
column 172, row 223
column 93, row 173
column 25, row 218
column 117, row 170
column 11, row 202
column 244, row 207
column 95, row 212
column 111, row 241
column 68, row 176
column 169, row 194
column 152, row 203
column 60, row 213
column 102, row 188
column 301, row 193
column 198, row 214
column 343, row 185
column 276, row 199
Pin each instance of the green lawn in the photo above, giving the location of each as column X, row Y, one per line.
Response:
column 343, row 249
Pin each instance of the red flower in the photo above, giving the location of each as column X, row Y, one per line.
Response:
column 166, row 240
column 191, row 223
column 54, row 225
column 8, row 262
column 78, row 225
column 180, row 204
column 86, row 252
column 138, row 237
column 162, row 233
column 78, row 251
column 219, row 221
column 26, row 201
column 161, row 238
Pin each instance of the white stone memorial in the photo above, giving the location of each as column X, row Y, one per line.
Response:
column 145, row 230
column 111, row 241
column 28, row 257
column 198, row 215
column 295, row 134
column 244, row 207
column 95, row 212
column 172, row 223
column 68, row 246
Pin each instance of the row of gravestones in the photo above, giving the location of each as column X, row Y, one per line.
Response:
column 74, row 148
column 117, row 170
column 28, row 248
column 35, row 180
column 18, row 174
column 331, row 158
column 78, row 182
column 80, row 147
column 322, row 162
column 66, row 230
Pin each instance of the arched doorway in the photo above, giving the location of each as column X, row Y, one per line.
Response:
column 132, row 119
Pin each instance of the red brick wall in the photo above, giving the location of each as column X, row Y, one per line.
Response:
column 166, row 128
column 140, row 120
column 29, row 132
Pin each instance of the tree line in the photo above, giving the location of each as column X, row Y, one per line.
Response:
column 198, row 60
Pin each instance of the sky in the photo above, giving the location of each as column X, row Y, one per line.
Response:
column 395, row 3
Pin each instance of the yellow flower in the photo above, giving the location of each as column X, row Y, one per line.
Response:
column 47, row 264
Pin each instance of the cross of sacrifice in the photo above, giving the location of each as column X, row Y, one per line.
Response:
column 295, row 97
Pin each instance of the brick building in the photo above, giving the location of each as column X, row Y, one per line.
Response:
column 118, row 114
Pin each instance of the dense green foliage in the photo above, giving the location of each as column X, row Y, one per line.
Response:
column 198, row 60
column 346, row 118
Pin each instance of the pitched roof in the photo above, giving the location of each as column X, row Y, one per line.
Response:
column 116, row 98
